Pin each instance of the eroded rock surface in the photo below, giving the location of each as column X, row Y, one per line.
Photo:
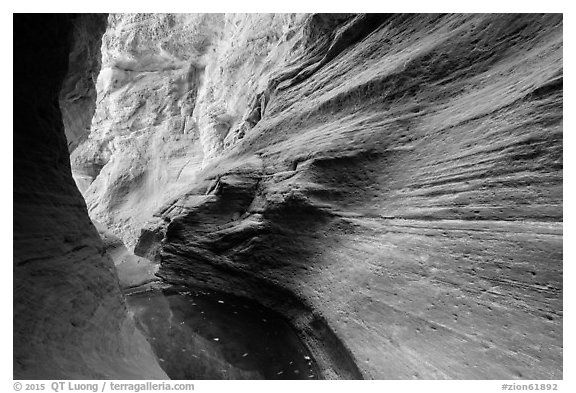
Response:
column 78, row 92
column 174, row 89
column 70, row 319
column 391, row 183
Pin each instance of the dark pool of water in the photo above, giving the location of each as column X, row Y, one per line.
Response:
column 206, row 335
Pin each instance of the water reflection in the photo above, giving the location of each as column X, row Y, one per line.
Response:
column 206, row 335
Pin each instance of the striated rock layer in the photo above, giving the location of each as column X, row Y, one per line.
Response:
column 70, row 319
column 173, row 91
column 391, row 183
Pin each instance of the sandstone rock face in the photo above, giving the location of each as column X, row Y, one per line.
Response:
column 391, row 183
column 78, row 92
column 70, row 319
column 133, row 271
column 174, row 89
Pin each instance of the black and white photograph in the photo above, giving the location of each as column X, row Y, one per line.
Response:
column 287, row 196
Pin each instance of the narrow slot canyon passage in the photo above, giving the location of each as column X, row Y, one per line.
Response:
column 288, row 196
column 197, row 333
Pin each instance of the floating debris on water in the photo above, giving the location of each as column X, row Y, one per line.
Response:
column 276, row 344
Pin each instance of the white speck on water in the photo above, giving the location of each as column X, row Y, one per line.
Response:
column 246, row 354
column 311, row 376
column 307, row 357
column 291, row 362
column 264, row 320
column 221, row 301
column 280, row 373
column 161, row 359
column 296, row 372
column 216, row 339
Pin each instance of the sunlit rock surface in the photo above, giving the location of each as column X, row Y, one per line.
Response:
column 173, row 91
column 390, row 183
column 70, row 319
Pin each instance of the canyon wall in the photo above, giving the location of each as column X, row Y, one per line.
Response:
column 70, row 319
column 173, row 91
column 391, row 183
column 78, row 92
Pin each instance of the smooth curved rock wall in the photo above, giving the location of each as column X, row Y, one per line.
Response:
column 393, row 186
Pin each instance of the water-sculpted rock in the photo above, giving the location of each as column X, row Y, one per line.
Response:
column 391, row 183
column 70, row 319
column 174, row 89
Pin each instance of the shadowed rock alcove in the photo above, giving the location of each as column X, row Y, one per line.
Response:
column 366, row 196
